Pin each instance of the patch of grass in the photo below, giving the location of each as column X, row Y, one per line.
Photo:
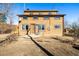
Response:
column 8, row 39
column 41, row 40
column 63, row 40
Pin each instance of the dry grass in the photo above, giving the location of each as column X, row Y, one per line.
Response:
column 40, row 40
column 8, row 39
column 58, row 48
column 64, row 39
column 3, row 36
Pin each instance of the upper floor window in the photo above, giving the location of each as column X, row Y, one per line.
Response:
column 57, row 17
column 35, row 17
column 25, row 17
column 57, row 26
column 46, row 17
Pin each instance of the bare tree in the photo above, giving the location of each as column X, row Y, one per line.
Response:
column 75, row 28
column 6, row 11
column 66, row 24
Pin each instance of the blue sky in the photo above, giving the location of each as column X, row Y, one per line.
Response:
column 70, row 9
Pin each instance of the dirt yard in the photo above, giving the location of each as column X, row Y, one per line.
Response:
column 3, row 36
column 23, row 47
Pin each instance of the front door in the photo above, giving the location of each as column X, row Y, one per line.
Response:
column 34, row 29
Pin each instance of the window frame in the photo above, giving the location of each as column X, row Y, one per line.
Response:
column 25, row 17
column 46, row 17
column 57, row 17
column 24, row 26
column 31, row 13
column 43, row 27
column 27, row 26
column 57, row 26
column 35, row 17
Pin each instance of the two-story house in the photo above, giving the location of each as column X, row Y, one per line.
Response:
column 41, row 22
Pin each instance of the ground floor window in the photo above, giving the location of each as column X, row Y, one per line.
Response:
column 25, row 27
column 41, row 27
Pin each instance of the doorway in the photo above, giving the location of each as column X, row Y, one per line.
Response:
column 34, row 29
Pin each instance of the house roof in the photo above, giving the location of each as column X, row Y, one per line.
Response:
column 42, row 15
column 40, row 11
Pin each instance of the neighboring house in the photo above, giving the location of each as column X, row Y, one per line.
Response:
column 41, row 22
column 68, row 31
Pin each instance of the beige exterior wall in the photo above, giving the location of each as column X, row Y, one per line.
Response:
column 48, row 23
